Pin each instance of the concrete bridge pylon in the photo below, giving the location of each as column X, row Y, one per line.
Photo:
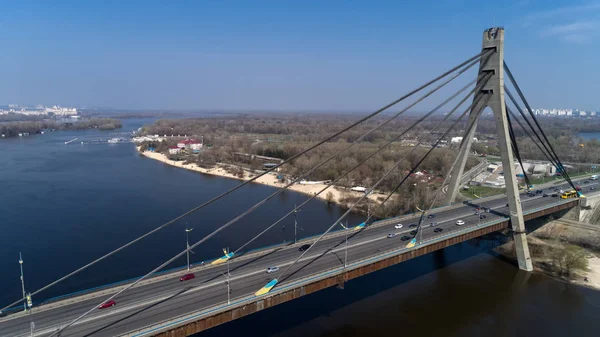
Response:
column 493, row 92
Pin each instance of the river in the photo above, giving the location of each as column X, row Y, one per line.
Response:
column 64, row 205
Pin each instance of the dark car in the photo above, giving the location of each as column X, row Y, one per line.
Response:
column 437, row 230
column 482, row 216
column 405, row 238
column 554, row 195
column 544, row 195
column 586, row 182
column 431, row 216
column 187, row 277
column 530, row 194
column 413, row 233
column 413, row 225
column 303, row 248
column 506, row 205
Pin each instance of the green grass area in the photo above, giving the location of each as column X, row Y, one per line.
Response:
column 481, row 191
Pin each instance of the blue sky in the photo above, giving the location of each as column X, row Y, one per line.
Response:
column 284, row 55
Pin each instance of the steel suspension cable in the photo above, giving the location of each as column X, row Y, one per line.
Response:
column 515, row 148
column 222, row 195
column 462, row 144
column 524, row 100
column 515, row 118
column 375, row 186
column 365, row 160
column 469, row 62
column 553, row 159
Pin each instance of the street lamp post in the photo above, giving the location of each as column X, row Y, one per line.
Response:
column 22, row 282
column 187, row 245
column 227, row 276
column 295, row 224
column 346, row 244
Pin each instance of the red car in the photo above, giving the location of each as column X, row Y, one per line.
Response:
column 577, row 188
column 107, row 304
column 187, row 277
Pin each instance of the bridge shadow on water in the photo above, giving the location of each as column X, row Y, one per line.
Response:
column 323, row 303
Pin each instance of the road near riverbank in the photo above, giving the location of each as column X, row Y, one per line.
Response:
column 268, row 179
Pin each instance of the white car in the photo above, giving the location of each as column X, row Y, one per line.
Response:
column 398, row 226
column 272, row 270
column 460, row 222
column 391, row 235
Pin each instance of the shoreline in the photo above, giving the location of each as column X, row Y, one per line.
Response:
column 269, row 179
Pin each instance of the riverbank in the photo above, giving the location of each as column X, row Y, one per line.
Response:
column 338, row 194
column 565, row 251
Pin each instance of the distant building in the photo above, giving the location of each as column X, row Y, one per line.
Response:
column 174, row 150
column 457, row 140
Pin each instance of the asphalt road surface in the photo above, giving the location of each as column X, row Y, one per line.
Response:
column 167, row 298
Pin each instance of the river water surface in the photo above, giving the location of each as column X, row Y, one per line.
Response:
column 64, row 205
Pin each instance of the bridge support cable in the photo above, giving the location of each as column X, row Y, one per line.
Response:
column 273, row 282
column 314, row 196
column 528, row 107
column 548, row 153
column 463, row 142
column 474, row 104
column 515, row 118
column 244, row 183
column 515, row 148
column 472, row 124
column 466, row 64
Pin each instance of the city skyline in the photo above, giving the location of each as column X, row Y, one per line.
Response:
column 274, row 56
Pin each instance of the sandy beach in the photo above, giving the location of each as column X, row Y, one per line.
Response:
column 268, row 179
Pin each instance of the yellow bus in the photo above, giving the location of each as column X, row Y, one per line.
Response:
column 569, row 194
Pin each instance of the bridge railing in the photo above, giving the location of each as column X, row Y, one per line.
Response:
column 242, row 300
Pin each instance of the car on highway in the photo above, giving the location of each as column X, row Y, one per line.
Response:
column 413, row 225
column 413, row 233
column 431, row 216
column 433, row 224
column 405, row 238
column 391, row 235
column 303, row 248
column 398, row 226
column 530, row 194
column 487, row 210
column 577, row 188
column 460, row 222
column 107, row 304
column 272, row 270
column 187, row 277
column 554, row 195
column 592, row 188
column 482, row 216
column 506, row 204
column 544, row 195
column 437, row 230
column 586, row 182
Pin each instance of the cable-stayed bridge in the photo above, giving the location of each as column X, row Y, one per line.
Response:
column 238, row 284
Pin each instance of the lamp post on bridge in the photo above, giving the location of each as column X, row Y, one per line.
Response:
column 227, row 277
column 296, row 224
column 187, row 245
column 22, row 282
column 346, row 244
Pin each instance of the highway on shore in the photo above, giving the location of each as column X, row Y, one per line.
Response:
column 163, row 298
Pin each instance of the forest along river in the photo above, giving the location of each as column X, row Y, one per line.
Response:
column 64, row 205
